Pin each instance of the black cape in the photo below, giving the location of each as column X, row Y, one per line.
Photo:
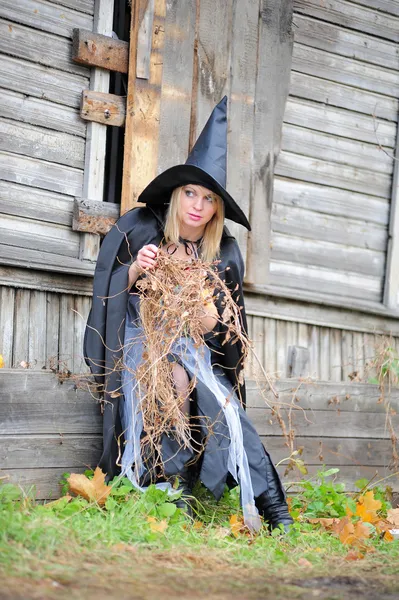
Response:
column 104, row 335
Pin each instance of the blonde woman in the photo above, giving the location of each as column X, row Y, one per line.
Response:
column 184, row 216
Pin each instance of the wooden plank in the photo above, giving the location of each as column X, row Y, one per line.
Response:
column 334, row 453
column 41, row 143
column 325, row 423
column 41, row 174
column 28, row 202
column 35, row 111
column 45, row 261
column 314, row 279
column 391, row 288
column 298, row 361
column 144, row 41
column 26, row 382
column 51, row 282
column 327, row 254
column 389, row 6
column 331, row 201
column 45, row 482
column 308, row 224
column 337, row 121
column 324, row 353
column 41, row 82
column 335, row 355
column 358, row 355
column 345, row 42
column 336, row 149
column 314, row 352
column 241, row 111
column 291, row 333
column 52, row 329
column 37, row 46
column 82, row 308
column 41, row 14
column 352, row 16
column 100, row 107
column 249, row 365
column 332, row 174
column 142, row 108
column 37, row 332
column 258, row 346
column 177, row 82
column 273, row 73
column 370, row 350
column 66, row 343
column 342, row 69
column 347, row 354
column 303, row 335
column 21, row 328
column 29, row 233
column 86, row 6
column 343, row 96
column 96, row 50
column 7, row 300
column 281, row 348
column 93, row 216
column 37, row 452
column 94, row 172
column 270, row 347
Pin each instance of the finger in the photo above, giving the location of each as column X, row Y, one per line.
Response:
column 148, row 253
column 154, row 248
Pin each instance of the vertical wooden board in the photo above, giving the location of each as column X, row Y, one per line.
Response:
column 369, row 342
column 52, row 330
column 303, row 335
column 37, row 330
column 347, row 354
column 281, row 348
column 7, row 299
column 335, row 355
column 358, row 354
column 213, row 49
column 275, row 41
column 82, row 310
column 324, row 358
column 241, row 111
column 292, row 340
column 143, row 106
column 270, row 346
column 21, row 327
column 177, row 82
column 250, row 362
column 67, row 322
column 314, row 352
column 258, row 340
column 391, row 286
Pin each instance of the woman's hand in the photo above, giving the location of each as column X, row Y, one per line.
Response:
column 210, row 316
column 146, row 259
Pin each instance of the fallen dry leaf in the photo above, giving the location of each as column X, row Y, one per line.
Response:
column 354, row 555
column 157, row 526
column 325, row 522
column 236, row 525
column 393, row 517
column 67, row 497
column 367, row 507
column 304, row 562
column 94, row 490
column 349, row 533
column 388, row 537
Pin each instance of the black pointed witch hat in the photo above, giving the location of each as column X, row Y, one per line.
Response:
column 206, row 165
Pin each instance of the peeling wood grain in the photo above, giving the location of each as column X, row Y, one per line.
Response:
column 97, row 50
column 104, row 108
column 94, row 217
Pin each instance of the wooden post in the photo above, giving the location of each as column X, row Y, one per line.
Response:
column 143, row 98
column 93, row 185
column 391, row 291
column 298, row 361
column 273, row 74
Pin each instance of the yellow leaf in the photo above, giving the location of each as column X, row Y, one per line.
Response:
column 367, row 507
column 388, row 537
column 236, row 525
column 67, row 498
column 157, row 526
column 198, row 525
column 91, row 489
column 350, row 534
column 1, row 361
column 354, row 555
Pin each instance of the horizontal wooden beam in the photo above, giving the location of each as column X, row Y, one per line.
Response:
column 108, row 109
column 92, row 216
column 95, row 50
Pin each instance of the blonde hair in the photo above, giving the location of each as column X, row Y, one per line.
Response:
column 210, row 246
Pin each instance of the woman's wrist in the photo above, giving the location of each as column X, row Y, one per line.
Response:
column 134, row 272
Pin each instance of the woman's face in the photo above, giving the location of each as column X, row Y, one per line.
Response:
column 197, row 207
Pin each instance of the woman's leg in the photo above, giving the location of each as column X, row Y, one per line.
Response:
column 182, row 387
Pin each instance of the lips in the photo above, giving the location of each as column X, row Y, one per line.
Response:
column 195, row 217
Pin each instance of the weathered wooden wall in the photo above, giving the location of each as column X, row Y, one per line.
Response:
column 48, row 428
column 333, row 183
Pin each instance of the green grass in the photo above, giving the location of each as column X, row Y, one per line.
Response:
column 39, row 541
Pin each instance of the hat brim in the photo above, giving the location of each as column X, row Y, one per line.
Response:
column 161, row 188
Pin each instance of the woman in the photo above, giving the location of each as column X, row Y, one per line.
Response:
column 186, row 206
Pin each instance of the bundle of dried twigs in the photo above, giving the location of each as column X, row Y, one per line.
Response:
column 176, row 296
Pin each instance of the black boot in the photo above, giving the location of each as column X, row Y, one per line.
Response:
column 272, row 504
column 184, row 502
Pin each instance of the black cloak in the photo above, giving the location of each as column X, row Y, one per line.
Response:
column 104, row 335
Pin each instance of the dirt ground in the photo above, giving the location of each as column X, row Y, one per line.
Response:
column 193, row 577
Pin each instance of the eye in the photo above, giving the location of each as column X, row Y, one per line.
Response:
column 189, row 193
column 210, row 199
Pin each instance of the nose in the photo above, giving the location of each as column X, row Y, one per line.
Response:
column 199, row 203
